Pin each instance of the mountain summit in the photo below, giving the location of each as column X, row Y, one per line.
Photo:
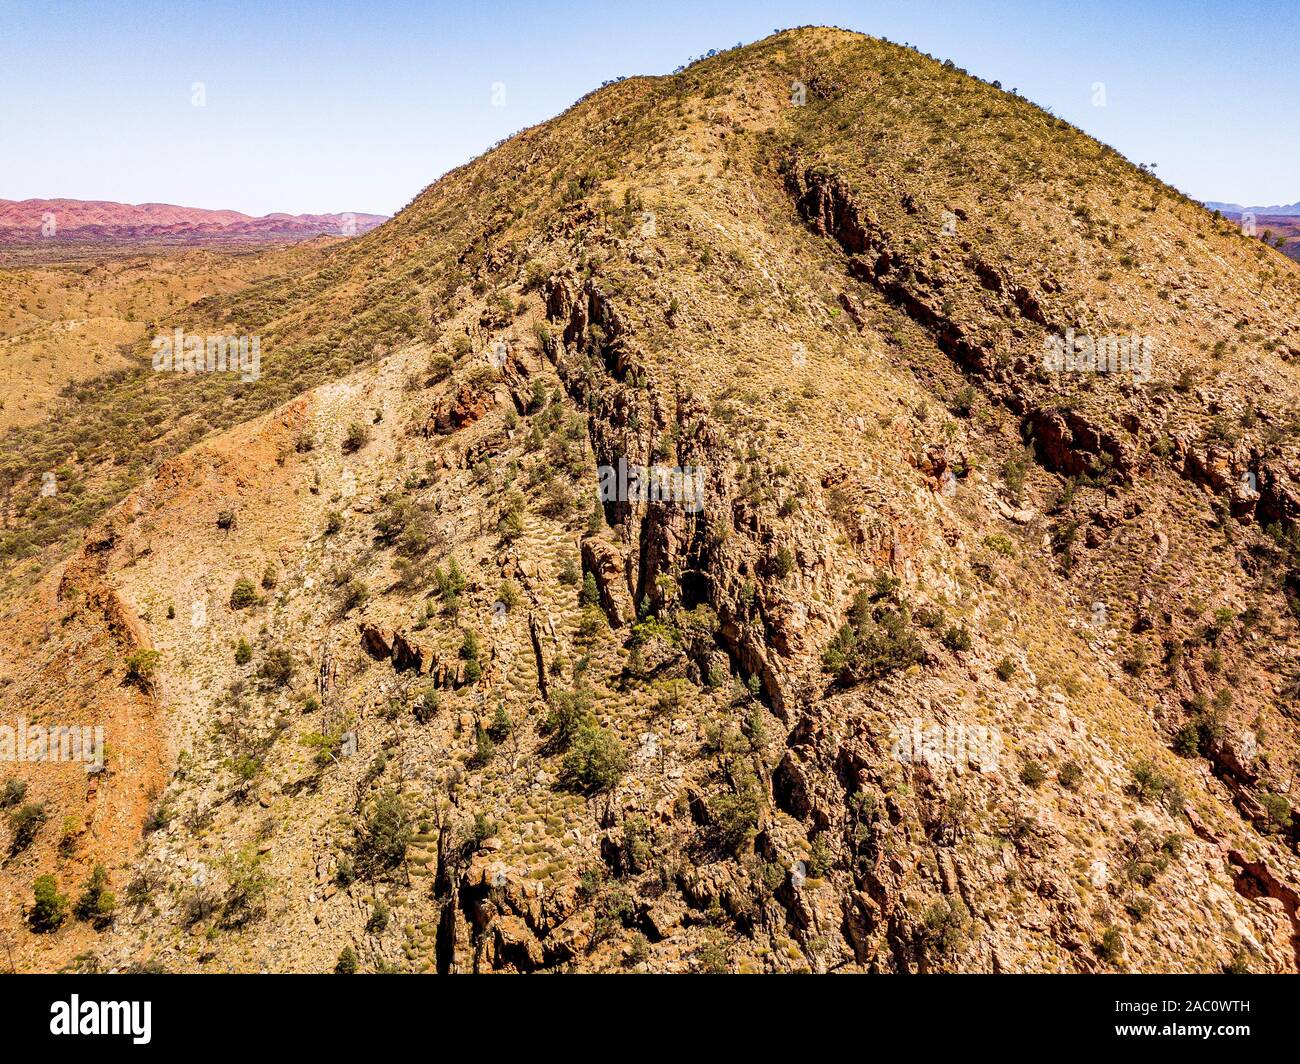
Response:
column 813, row 511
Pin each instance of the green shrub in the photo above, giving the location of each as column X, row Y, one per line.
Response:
column 595, row 762
column 1187, row 740
column 1278, row 810
column 243, row 653
column 568, row 712
column 50, row 908
column 734, row 815
column 1136, row 661
column 1070, row 775
column 243, row 595
column 501, row 726
column 875, row 642
column 347, row 962
column 426, row 705
column 944, row 928
column 97, row 903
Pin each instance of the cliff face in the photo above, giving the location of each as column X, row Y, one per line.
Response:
column 724, row 554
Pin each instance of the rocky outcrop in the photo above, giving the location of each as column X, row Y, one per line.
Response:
column 603, row 560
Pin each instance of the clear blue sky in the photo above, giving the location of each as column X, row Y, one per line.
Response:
column 333, row 106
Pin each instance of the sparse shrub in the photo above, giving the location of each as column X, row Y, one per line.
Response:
column 1070, row 775
column 24, row 823
column 1014, row 471
column 1136, row 661
column 276, row 669
column 15, row 790
column 248, row 886
column 957, row 638
column 1006, row 668
column 333, row 523
column 355, row 594
column 1111, row 947
column 243, row 653
column 270, row 577
column 378, row 921
column 1032, row 774
column 357, row 436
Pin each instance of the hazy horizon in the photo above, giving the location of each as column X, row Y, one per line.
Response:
column 317, row 109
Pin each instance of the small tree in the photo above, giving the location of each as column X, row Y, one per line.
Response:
column 97, row 903
column 501, row 727
column 385, row 834
column 595, row 762
column 347, row 962
column 141, row 666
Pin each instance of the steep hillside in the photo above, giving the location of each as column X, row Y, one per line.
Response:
column 964, row 658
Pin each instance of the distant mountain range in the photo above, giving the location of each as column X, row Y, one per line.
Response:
column 1280, row 222
column 1290, row 210
column 99, row 221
